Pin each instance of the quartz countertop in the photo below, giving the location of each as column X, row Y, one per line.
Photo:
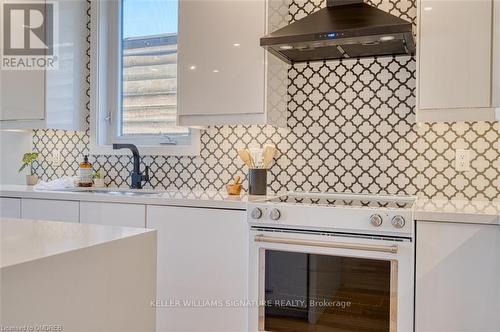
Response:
column 454, row 210
column 458, row 210
column 29, row 240
column 189, row 198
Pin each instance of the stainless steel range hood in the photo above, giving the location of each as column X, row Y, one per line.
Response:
column 344, row 29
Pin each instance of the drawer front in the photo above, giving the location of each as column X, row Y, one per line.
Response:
column 113, row 214
column 10, row 207
column 47, row 209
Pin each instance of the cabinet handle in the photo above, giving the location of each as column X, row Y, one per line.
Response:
column 393, row 249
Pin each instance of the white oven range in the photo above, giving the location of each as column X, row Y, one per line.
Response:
column 331, row 262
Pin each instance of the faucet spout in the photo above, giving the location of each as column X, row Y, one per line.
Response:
column 136, row 176
column 135, row 153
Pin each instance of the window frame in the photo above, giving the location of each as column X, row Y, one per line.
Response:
column 106, row 86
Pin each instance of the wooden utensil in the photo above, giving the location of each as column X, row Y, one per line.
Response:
column 256, row 155
column 269, row 153
column 245, row 157
column 252, row 159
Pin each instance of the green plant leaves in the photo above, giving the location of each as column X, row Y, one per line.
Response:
column 28, row 159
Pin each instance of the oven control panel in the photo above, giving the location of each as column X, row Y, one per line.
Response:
column 257, row 213
column 397, row 221
column 380, row 220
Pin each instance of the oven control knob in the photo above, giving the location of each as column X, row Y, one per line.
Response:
column 376, row 220
column 398, row 222
column 275, row 214
column 256, row 213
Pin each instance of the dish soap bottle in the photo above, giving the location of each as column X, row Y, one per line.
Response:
column 85, row 179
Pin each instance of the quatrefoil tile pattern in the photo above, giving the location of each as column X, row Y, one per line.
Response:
column 351, row 127
column 436, row 160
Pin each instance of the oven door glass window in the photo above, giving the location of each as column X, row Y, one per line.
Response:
column 309, row 292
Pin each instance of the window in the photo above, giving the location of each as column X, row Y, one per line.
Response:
column 136, row 70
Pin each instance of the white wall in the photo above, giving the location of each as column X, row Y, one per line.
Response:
column 13, row 144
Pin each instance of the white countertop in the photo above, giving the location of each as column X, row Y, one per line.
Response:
column 477, row 211
column 28, row 240
column 456, row 210
column 190, row 198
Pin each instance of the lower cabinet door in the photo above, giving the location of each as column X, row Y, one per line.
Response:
column 202, row 268
column 10, row 207
column 49, row 209
column 113, row 214
column 457, row 277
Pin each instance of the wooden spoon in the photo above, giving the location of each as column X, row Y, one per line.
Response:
column 245, row 157
column 269, row 153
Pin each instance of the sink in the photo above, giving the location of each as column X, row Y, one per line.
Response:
column 111, row 191
column 124, row 193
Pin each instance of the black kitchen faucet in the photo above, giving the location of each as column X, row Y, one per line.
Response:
column 136, row 176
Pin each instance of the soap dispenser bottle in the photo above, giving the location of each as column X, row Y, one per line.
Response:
column 85, row 176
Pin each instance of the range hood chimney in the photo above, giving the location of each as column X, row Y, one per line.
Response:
column 345, row 29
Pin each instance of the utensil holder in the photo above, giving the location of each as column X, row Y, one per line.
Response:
column 257, row 181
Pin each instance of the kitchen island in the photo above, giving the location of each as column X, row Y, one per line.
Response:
column 76, row 277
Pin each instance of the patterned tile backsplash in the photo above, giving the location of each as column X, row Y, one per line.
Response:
column 351, row 127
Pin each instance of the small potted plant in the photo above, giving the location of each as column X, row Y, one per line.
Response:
column 28, row 159
column 98, row 179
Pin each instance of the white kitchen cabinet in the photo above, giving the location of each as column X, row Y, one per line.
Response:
column 202, row 256
column 457, row 277
column 15, row 85
column 49, row 209
column 455, row 80
column 52, row 98
column 10, row 207
column 224, row 76
column 113, row 214
column 496, row 57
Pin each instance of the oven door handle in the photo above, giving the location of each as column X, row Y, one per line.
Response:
column 393, row 249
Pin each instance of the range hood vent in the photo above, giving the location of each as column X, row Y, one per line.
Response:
column 344, row 29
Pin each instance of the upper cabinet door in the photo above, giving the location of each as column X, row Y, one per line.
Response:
column 53, row 96
column 22, row 94
column 496, row 57
column 22, row 91
column 221, row 66
column 66, row 86
column 455, row 54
